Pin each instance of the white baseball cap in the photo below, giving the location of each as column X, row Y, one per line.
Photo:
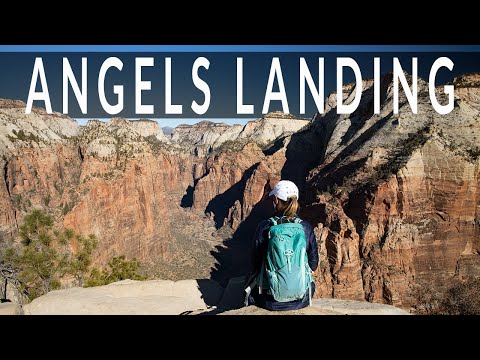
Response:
column 284, row 189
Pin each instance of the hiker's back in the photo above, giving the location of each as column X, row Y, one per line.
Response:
column 284, row 255
column 285, row 273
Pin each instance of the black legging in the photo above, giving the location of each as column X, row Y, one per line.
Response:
column 267, row 301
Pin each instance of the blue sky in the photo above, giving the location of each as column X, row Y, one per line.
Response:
column 174, row 122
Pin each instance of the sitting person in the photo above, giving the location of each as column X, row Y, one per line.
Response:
column 284, row 255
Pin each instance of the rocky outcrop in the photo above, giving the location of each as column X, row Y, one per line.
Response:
column 204, row 137
column 124, row 128
column 396, row 197
column 326, row 307
column 36, row 129
column 225, row 171
column 272, row 126
column 161, row 297
column 128, row 297
column 10, row 309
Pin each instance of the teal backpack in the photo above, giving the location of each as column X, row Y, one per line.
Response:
column 285, row 272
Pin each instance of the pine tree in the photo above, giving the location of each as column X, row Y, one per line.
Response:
column 45, row 256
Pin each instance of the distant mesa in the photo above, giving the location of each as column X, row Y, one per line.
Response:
column 281, row 115
column 203, row 123
column 94, row 122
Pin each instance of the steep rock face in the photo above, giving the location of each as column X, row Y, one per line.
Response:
column 396, row 197
column 337, row 274
column 223, row 172
column 263, row 178
column 36, row 156
column 117, row 180
column 132, row 188
column 138, row 203
column 421, row 223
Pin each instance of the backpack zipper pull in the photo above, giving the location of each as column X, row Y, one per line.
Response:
column 288, row 253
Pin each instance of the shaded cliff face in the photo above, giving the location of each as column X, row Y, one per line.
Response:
column 394, row 199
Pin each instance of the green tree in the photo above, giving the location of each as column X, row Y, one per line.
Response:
column 118, row 268
column 38, row 263
column 82, row 259
column 45, row 256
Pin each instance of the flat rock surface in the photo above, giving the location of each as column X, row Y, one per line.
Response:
column 327, row 307
column 10, row 308
column 158, row 297
column 165, row 297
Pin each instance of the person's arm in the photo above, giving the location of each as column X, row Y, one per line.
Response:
column 312, row 247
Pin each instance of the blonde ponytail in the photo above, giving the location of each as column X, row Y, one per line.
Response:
column 288, row 208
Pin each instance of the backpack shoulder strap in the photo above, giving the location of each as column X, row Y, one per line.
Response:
column 274, row 220
column 298, row 220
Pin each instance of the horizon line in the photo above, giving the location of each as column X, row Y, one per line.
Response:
column 177, row 121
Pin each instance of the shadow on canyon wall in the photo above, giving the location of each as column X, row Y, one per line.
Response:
column 221, row 203
column 305, row 151
column 234, row 255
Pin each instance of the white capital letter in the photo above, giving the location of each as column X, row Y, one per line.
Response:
column 275, row 71
column 411, row 95
column 447, row 89
column 43, row 94
column 317, row 95
column 69, row 77
column 241, row 108
column 117, row 89
column 142, row 85
column 169, row 107
column 201, row 85
column 352, row 64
